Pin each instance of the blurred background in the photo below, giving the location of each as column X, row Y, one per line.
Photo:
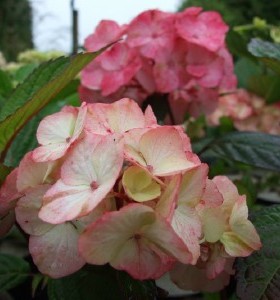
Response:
column 48, row 24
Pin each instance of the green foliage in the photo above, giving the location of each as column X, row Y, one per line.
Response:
column 13, row 271
column 230, row 16
column 258, row 275
column 268, row 53
column 6, row 85
column 4, row 172
column 15, row 27
column 245, row 69
column 237, row 45
column 255, row 149
column 262, row 48
column 266, row 86
column 37, row 91
column 106, row 283
column 257, row 66
column 237, row 12
column 38, row 281
column 23, row 72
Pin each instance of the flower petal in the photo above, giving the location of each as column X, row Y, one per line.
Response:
column 31, row 173
column 56, row 252
column 139, row 185
column 188, row 227
column 27, row 210
column 193, row 185
column 163, row 150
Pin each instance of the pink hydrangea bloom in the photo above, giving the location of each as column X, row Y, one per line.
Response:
column 128, row 192
column 249, row 112
column 205, row 29
column 176, row 57
column 114, row 69
column 105, row 33
column 152, row 32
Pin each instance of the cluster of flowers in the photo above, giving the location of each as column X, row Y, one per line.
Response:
column 181, row 55
column 248, row 112
column 109, row 185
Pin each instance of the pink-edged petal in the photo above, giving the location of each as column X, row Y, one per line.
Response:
column 56, row 128
column 124, row 115
column 241, row 226
column 127, row 237
column 80, row 122
column 248, row 234
column 131, row 145
column 193, row 185
column 9, row 193
column 228, row 190
column 234, row 246
column 50, row 152
column 185, row 139
column 188, row 227
column 142, row 262
column 102, row 241
column 163, row 235
column 87, row 177
column 163, row 151
column 27, row 210
column 169, row 198
column 96, row 159
column 193, row 278
column 56, row 252
column 211, row 196
column 150, row 118
column 107, row 205
column 31, row 173
column 120, row 116
column 64, row 203
column 56, row 133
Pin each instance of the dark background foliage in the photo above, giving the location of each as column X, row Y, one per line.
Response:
column 15, row 27
column 236, row 12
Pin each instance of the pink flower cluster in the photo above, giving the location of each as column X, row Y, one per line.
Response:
column 181, row 54
column 249, row 112
column 109, row 185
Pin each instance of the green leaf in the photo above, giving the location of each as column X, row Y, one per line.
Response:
column 267, row 52
column 100, row 282
column 136, row 289
column 238, row 45
column 255, row 149
column 260, row 48
column 245, row 69
column 6, row 85
column 258, row 276
column 23, row 72
column 4, row 172
column 13, row 271
column 36, row 91
column 266, row 86
column 38, row 281
column 211, row 296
